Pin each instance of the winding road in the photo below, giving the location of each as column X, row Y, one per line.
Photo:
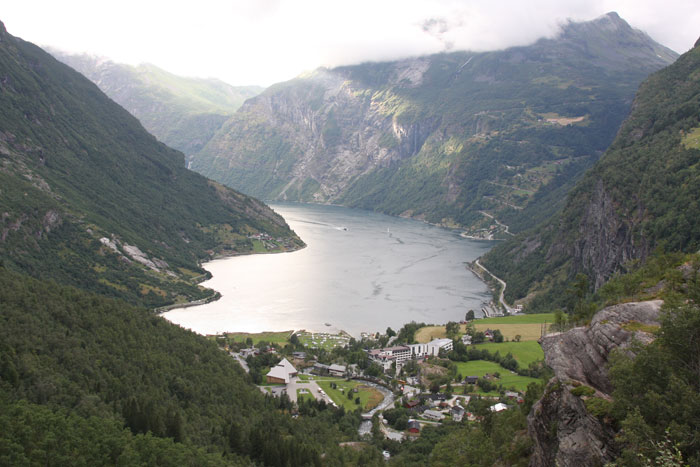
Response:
column 503, row 289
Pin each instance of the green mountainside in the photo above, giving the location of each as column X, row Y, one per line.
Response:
column 90, row 202
column 87, row 380
column 457, row 138
column 643, row 195
column 184, row 113
column 89, row 198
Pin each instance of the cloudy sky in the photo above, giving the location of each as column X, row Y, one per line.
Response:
column 266, row 41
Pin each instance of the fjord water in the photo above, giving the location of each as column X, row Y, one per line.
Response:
column 361, row 271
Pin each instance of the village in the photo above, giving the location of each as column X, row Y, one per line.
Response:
column 401, row 382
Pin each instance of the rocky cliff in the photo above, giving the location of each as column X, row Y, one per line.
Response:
column 450, row 138
column 641, row 195
column 565, row 433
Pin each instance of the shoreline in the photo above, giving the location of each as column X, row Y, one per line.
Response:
column 221, row 255
column 204, row 277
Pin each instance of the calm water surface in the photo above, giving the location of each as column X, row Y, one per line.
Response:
column 361, row 271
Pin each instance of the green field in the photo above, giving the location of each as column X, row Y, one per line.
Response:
column 369, row 397
column 528, row 327
column 280, row 338
column 519, row 319
column 508, row 380
column 524, row 352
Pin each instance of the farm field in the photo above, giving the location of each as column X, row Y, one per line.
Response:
column 526, row 331
column 508, row 380
column 369, row 397
column 528, row 327
column 524, row 352
column 519, row 319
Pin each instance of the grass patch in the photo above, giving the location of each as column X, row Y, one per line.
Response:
column 634, row 326
column 259, row 247
column 304, row 394
column 691, row 140
column 428, row 333
column 280, row 338
column 519, row 319
column 508, row 380
column 527, row 332
column 524, row 352
column 582, row 390
column 528, row 327
column 369, row 396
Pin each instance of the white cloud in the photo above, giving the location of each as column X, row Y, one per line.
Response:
column 264, row 41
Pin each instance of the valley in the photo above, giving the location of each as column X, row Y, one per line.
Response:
column 415, row 201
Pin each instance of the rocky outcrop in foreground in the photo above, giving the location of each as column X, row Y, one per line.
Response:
column 564, row 432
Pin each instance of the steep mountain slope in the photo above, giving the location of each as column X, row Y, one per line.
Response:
column 644, row 193
column 625, row 385
column 89, row 198
column 450, row 138
column 86, row 380
column 184, row 113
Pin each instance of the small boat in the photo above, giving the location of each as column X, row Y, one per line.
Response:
column 327, row 324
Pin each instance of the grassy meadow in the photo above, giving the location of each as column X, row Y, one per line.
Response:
column 369, row 396
column 507, row 379
column 528, row 327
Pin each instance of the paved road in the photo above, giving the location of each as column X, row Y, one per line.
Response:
column 503, row 290
column 240, row 359
column 310, row 386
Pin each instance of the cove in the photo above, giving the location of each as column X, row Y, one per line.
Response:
column 361, row 271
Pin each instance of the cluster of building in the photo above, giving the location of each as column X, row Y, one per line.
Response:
column 435, row 407
column 398, row 354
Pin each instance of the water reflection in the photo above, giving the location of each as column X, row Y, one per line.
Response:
column 361, row 271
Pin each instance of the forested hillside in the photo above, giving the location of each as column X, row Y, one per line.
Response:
column 183, row 113
column 76, row 368
column 89, row 198
column 455, row 138
column 642, row 195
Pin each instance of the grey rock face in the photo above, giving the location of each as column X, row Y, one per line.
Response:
column 607, row 240
column 565, row 434
column 581, row 354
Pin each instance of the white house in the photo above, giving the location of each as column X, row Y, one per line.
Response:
column 418, row 350
column 498, row 407
column 435, row 345
column 283, row 372
column 389, row 355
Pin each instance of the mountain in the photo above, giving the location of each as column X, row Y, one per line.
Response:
column 89, row 198
column 184, row 113
column 641, row 196
column 454, row 138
